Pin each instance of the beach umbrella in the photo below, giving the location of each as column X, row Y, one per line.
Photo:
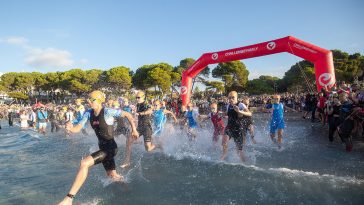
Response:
column 38, row 105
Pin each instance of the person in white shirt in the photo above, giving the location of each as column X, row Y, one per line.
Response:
column 69, row 115
column 24, row 120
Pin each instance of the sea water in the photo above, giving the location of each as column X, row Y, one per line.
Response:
column 37, row 169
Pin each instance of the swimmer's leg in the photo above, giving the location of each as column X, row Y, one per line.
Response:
column 79, row 180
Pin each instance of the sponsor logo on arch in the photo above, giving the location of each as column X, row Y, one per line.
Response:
column 215, row 56
column 301, row 47
column 271, row 45
column 326, row 79
column 183, row 90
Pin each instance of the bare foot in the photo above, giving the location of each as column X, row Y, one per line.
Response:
column 117, row 178
column 253, row 141
column 151, row 147
column 66, row 201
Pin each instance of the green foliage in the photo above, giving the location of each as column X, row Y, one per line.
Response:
column 260, row 86
column 188, row 62
column 346, row 68
column 160, row 75
column 119, row 78
column 53, row 80
column 76, row 86
column 140, row 78
column 2, row 88
column 18, row 95
column 75, row 81
column 219, row 86
column 7, row 80
column 39, row 80
column 295, row 75
column 163, row 76
column 23, row 82
column 93, row 77
column 234, row 74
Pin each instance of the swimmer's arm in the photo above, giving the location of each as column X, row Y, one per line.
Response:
column 78, row 127
column 130, row 119
column 171, row 113
column 291, row 109
column 75, row 129
column 245, row 112
column 265, row 109
column 147, row 112
column 159, row 128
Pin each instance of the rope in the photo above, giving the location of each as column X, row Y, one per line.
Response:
column 303, row 73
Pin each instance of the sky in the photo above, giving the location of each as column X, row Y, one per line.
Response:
column 48, row 36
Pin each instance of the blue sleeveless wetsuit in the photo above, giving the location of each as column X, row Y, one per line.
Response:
column 159, row 120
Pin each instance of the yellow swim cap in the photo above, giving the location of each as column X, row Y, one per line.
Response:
column 116, row 104
column 65, row 108
column 97, row 95
column 79, row 100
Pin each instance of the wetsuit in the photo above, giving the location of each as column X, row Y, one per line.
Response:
column 122, row 125
column 191, row 117
column 127, row 108
column 277, row 121
column 334, row 121
column 192, row 123
column 233, row 128
column 347, row 124
column 246, row 121
column 53, row 120
column 218, row 122
column 144, row 122
column 104, row 129
column 159, row 118
column 11, row 118
column 80, row 110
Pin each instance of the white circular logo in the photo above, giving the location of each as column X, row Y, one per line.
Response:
column 215, row 56
column 326, row 79
column 183, row 90
column 271, row 45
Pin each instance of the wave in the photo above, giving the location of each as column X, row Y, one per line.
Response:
column 94, row 201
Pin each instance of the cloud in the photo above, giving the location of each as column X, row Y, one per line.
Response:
column 49, row 57
column 16, row 40
column 42, row 57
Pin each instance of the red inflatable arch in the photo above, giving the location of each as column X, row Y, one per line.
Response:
column 321, row 58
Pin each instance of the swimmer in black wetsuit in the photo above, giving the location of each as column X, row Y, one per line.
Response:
column 234, row 129
column 144, row 113
column 101, row 120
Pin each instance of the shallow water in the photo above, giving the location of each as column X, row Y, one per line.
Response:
column 37, row 169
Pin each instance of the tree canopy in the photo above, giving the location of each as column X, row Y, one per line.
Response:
column 163, row 77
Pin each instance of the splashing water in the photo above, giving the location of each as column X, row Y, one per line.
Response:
column 305, row 171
